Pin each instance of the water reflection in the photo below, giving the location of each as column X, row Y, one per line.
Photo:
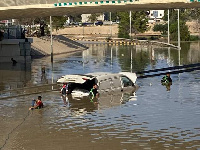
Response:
column 16, row 76
column 104, row 101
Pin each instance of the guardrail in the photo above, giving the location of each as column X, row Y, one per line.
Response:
column 171, row 70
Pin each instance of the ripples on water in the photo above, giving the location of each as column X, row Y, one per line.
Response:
column 155, row 118
column 168, row 119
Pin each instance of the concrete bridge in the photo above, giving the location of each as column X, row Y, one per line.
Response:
column 14, row 9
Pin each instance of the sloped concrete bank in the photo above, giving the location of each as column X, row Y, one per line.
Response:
column 61, row 45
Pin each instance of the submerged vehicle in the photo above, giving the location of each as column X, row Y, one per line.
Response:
column 79, row 85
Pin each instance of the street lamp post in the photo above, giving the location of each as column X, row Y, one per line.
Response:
column 179, row 46
column 130, row 24
column 168, row 27
column 110, row 26
column 51, row 39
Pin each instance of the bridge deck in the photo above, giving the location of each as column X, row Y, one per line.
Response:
column 26, row 9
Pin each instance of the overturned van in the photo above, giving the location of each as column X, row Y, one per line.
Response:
column 81, row 84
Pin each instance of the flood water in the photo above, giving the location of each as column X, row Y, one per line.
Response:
column 157, row 117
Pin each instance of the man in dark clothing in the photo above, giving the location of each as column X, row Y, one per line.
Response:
column 64, row 92
column 64, row 89
column 94, row 91
column 166, row 79
column 42, row 25
column 13, row 61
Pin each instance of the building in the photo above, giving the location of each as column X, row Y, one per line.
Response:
column 156, row 16
column 85, row 17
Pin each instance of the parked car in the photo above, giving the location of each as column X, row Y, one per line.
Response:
column 79, row 85
column 99, row 23
column 75, row 24
column 87, row 23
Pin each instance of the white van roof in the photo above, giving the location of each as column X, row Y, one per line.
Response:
column 100, row 76
column 76, row 78
column 130, row 75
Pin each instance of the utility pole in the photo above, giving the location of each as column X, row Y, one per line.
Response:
column 110, row 26
column 168, row 28
column 51, row 39
column 179, row 45
column 130, row 24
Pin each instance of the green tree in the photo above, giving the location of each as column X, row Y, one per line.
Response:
column 173, row 25
column 75, row 18
column 173, row 15
column 138, row 23
column 57, row 22
column 184, row 36
column 124, row 25
column 194, row 14
column 161, row 27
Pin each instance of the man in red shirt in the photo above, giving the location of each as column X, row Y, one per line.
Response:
column 64, row 91
column 37, row 104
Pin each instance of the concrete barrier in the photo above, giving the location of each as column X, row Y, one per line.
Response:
column 18, row 49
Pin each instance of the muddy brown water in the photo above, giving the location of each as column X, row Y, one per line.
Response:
column 156, row 117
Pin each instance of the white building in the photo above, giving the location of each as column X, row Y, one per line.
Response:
column 85, row 17
column 156, row 16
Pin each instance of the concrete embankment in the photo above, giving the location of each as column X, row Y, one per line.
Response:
column 42, row 46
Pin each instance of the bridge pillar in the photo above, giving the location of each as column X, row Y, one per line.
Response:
column 18, row 49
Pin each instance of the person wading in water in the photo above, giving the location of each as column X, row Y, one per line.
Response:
column 167, row 81
column 37, row 104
